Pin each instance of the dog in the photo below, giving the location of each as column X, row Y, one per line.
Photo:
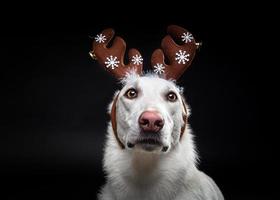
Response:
column 149, row 152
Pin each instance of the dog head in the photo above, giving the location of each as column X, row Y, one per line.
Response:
column 150, row 113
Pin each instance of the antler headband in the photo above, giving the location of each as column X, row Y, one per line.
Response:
column 179, row 56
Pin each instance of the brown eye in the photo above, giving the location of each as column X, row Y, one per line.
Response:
column 131, row 93
column 171, row 96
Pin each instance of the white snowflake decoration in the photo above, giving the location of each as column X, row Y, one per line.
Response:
column 187, row 37
column 159, row 68
column 100, row 38
column 112, row 62
column 182, row 57
column 137, row 59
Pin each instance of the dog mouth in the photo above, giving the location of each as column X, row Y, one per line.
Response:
column 148, row 142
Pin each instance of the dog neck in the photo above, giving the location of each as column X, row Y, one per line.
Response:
column 144, row 164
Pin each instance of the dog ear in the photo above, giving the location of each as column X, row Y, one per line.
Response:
column 112, row 58
column 186, row 114
column 186, row 108
column 109, row 109
column 179, row 56
column 113, row 116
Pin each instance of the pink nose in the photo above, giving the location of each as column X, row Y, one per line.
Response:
column 150, row 121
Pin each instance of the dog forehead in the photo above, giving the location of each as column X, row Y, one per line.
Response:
column 151, row 82
column 155, row 82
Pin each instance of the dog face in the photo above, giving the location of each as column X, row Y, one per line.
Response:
column 149, row 114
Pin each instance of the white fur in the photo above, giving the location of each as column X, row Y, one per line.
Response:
column 136, row 174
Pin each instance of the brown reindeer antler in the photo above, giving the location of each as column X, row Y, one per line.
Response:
column 112, row 59
column 179, row 56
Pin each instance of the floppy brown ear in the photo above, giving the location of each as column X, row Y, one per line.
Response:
column 112, row 58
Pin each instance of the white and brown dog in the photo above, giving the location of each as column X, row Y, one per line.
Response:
column 149, row 152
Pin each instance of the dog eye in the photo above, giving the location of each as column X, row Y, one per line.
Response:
column 171, row 96
column 131, row 93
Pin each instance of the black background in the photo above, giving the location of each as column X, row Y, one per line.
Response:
column 53, row 118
